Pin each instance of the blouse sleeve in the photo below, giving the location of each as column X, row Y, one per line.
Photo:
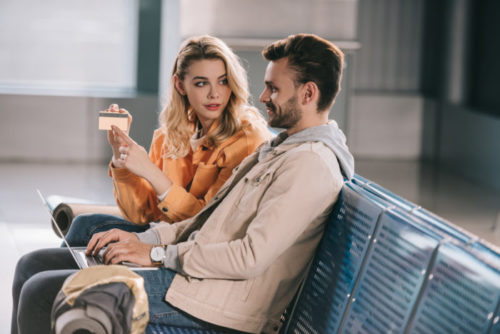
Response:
column 135, row 196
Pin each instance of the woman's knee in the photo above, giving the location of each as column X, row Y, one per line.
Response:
column 85, row 222
column 82, row 227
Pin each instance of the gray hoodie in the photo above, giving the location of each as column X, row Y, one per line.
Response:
column 329, row 134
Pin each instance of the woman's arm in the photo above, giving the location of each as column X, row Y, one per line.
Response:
column 135, row 195
column 138, row 185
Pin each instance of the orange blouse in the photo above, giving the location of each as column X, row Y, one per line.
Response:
column 196, row 178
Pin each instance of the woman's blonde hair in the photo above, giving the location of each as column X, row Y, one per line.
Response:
column 178, row 119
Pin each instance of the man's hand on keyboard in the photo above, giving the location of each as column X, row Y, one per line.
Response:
column 128, row 250
column 103, row 239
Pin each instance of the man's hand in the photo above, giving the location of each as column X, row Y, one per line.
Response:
column 102, row 239
column 129, row 250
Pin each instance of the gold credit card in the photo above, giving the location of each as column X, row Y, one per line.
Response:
column 106, row 119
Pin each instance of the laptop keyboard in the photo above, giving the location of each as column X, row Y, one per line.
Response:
column 94, row 260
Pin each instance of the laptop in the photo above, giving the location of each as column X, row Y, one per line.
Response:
column 78, row 253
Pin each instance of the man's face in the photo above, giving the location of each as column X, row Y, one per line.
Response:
column 280, row 95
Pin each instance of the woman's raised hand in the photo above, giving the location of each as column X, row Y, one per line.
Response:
column 135, row 158
column 113, row 139
column 132, row 155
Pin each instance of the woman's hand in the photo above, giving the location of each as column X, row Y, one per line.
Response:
column 132, row 156
column 113, row 139
column 135, row 158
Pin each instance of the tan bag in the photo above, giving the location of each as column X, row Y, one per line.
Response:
column 102, row 300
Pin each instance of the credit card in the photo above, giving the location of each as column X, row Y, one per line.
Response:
column 106, row 119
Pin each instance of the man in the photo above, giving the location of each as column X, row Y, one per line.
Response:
column 239, row 262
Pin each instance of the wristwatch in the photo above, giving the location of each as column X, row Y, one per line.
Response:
column 157, row 254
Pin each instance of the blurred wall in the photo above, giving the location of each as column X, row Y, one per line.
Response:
column 62, row 62
column 469, row 144
column 45, row 128
column 461, row 85
column 426, row 84
column 386, row 115
column 411, row 88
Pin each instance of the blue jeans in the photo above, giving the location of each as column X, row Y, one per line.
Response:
column 40, row 275
column 83, row 228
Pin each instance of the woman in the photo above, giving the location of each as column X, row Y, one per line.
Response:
column 206, row 129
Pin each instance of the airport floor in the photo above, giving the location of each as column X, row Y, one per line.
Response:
column 25, row 223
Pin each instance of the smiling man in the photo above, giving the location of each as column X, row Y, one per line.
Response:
column 239, row 262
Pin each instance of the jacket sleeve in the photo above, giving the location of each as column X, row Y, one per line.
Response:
column 304, row 189
column 135, row 196
column 180, row 204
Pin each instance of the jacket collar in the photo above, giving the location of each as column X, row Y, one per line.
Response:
column 329, row 134
column 204, row 144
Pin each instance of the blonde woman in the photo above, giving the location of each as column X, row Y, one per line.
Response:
column 206, row 130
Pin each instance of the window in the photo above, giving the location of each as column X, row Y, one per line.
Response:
column 68, row 45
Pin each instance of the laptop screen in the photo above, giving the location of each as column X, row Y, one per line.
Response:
column 57, row 228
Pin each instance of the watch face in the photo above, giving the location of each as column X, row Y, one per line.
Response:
column 157, row 254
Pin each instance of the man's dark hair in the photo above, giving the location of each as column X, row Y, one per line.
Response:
column 313, row 59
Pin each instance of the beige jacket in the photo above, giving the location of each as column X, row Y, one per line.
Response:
column 253, row 248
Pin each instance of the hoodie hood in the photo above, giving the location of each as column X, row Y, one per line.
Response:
column 329, row 134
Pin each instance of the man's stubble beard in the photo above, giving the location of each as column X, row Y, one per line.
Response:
column 287, row 115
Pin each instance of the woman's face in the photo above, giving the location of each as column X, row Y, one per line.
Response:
column 206, row 87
